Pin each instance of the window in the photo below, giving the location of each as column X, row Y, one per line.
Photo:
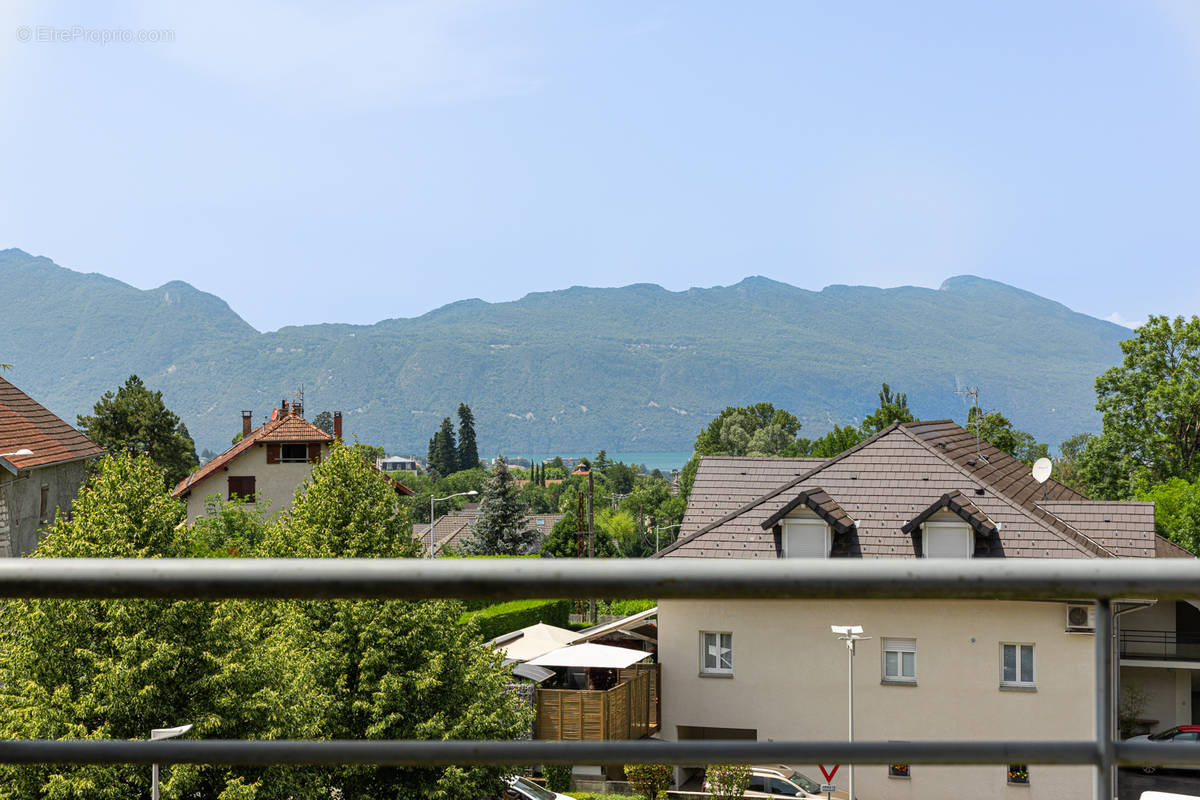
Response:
column 293, row 453
column 1016, row 666
column 805, row 538
column 899, row 771
column 45, row 504
column 948, row 540
column 716, row 653
column 899, row 660
column 241, row 486
column 1018, row 774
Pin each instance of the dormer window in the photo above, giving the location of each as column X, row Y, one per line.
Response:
column 948, row 540
column 806, row 538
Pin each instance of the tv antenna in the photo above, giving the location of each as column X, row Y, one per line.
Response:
column 1041, row 473
column 973, row 393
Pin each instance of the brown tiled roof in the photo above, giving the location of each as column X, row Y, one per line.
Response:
column 289, row 427
column 820, row 503
column 1125, row 528
column 726, row 483
column 893, row 477
column 26, row 424
column 1165, row 548
column 961, row 505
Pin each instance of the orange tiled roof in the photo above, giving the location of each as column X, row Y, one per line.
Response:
column 26, row 424
column 289, row 427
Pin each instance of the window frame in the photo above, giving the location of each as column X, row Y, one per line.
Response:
column 253, row 482
column 942, row 527
column 884, row 649
column 717, row 671
column 1019, row 683
column 1013, row 773
column 283, row 459
column 813, row 523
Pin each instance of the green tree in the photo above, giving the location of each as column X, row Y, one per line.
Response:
column 649, row 779
column 892, row 408
column 760, row 429
column 995, row 428
column 443, row 452
column 1150, row 404
column 1176, row 511
column 135, row 420
column 728, row 781
column 468, row 452
column 114, row 669
column 835, row 442
column 562, row 542
column 386, row 670
column 324, row 421
column 500, row 528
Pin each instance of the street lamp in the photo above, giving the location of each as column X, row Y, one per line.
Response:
column 433, row 500
column 850, row 634
column 163, row 733
column 24, row 451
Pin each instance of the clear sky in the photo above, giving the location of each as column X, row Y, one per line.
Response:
column 349, row 162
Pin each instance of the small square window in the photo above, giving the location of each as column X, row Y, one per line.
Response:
column 806, row 538
column 1018, row 774
column 1016, row 666
column 241, row 487
column 899, row 660
column 716, row 653
column 293, row 453
column 899, row 771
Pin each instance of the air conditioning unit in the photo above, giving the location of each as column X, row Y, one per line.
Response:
column 1081, row 618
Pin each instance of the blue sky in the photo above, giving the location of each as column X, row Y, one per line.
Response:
column 315, row 162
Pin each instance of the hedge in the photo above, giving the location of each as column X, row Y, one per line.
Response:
column 505, row 618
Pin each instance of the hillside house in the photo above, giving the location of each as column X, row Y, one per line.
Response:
column 43, row 462
column 944, row 670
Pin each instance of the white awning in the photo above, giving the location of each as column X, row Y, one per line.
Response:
column 591, row 655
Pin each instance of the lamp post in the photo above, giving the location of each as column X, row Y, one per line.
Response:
column 433, row 500
column 850, row 634
column 163, row 733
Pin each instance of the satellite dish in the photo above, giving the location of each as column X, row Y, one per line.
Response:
column 1041, row 469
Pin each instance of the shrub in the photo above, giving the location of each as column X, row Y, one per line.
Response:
column 649, row 779
column 512, row 616
column 558, row 777
column 727, row 781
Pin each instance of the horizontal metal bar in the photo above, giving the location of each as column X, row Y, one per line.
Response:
column 490, row 579
column 414, row 753
column 1143, row 753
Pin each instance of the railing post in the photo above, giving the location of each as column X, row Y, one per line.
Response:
column 1105, row 784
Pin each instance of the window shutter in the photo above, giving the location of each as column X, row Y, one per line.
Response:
column 241, row 486
column 900, row 645
column 272, row 454
column 314, row 452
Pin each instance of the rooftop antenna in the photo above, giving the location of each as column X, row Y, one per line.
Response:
column 1041, row 473
column 973, row 393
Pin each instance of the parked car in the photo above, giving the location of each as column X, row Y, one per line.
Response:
column 1181, row 734
column 521, row 789
column 779, row 781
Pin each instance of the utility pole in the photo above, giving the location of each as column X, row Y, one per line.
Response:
column 591, row 537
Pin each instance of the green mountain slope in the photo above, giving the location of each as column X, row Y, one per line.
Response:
column 635, row 368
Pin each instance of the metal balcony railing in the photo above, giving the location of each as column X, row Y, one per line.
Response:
column 1160, row 645
column 413, row 579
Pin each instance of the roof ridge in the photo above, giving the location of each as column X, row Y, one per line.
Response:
column 774, row 492
column 1079, row 539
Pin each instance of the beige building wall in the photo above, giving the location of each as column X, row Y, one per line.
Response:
column 21, row 517
column 790, row 682
column 276, row 484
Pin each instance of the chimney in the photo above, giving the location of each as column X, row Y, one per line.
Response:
column 247, row 424
column 283, row 407
column 337, row 425
column 298, row 408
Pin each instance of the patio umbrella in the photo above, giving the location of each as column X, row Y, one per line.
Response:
column 590, row 655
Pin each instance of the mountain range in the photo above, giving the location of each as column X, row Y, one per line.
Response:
column 636, row 368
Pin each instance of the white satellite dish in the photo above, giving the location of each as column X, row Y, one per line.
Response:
column 1041, row 469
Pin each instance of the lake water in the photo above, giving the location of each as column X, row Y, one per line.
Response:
column 651, row 461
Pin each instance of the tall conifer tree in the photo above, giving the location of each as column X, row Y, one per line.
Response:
column 468, row 452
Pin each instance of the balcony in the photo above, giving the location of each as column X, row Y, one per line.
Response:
column 629, row 710
column 1160, row 645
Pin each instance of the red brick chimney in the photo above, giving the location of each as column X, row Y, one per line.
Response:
column 247, row 424
column 337, row 425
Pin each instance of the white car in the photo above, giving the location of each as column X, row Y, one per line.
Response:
column 781, row 781
column 521, row 789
